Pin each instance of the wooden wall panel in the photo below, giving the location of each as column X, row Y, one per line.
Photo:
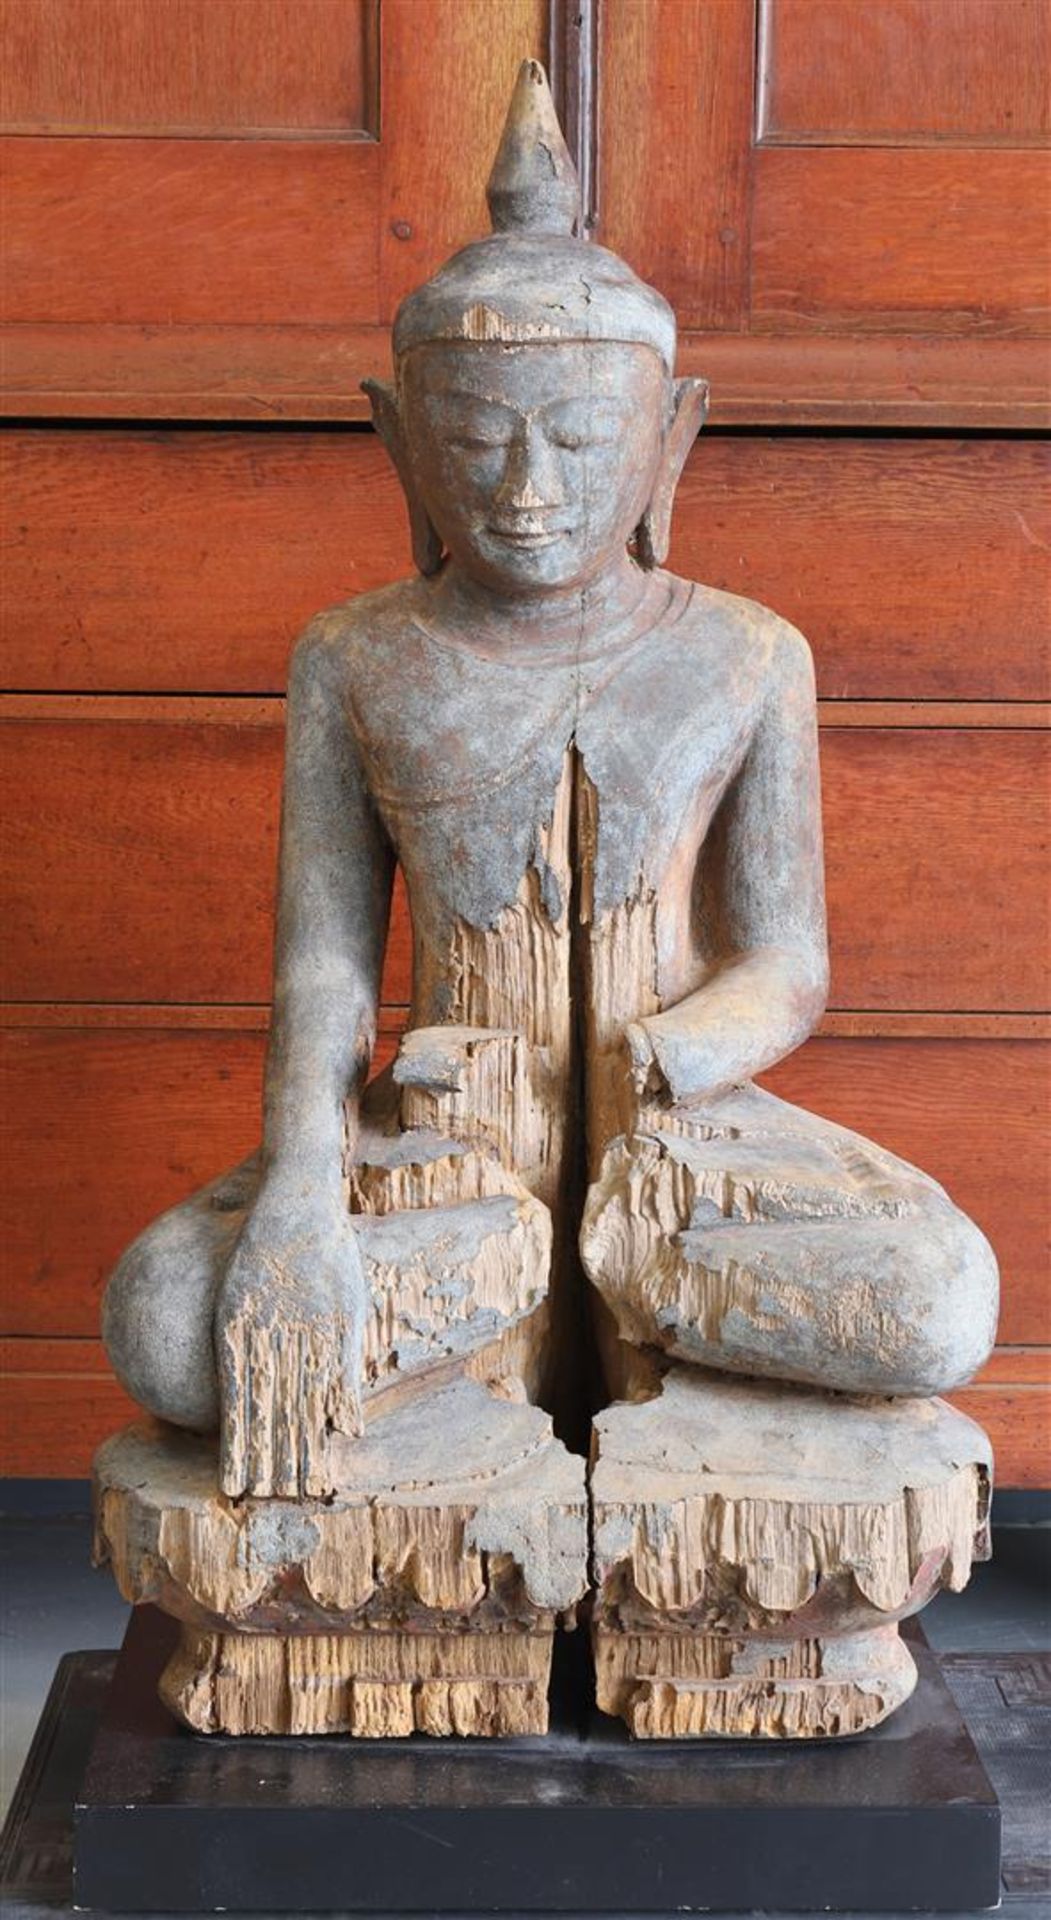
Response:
column 54, row 1412
column 146, row 231
column 188, row 561
column 918, row 569
column 936, row 849
column 964, row 72
column 190, row 66
column 931, row 240
column 141, row 855
column 1018, row 1422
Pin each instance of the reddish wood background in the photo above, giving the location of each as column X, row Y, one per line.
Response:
column 205, row 239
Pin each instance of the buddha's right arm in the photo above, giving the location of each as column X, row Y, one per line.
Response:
column 334, row 886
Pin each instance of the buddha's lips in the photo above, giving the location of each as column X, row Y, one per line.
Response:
column 526, row 533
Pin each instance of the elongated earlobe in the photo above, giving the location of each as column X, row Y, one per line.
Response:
column 654, row 529
column 386, row 418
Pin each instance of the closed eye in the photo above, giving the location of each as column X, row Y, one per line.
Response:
column 471, row 443
column 581, row 427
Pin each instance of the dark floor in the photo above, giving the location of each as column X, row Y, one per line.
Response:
column 54, row 1602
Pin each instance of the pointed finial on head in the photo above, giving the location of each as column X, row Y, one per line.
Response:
column 533, row 187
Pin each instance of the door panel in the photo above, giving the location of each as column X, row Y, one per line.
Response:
column 189, row 67
column 929, row 241
column 165, row 233
column 896, row 72
column 869, row 169
column 316, row 189
column 673, row 182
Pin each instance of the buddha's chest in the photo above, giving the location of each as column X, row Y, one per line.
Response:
column 599, row 780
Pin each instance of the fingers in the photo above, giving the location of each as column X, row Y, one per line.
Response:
column 347, row 1415
column 284, row 1389
column 235, row 1398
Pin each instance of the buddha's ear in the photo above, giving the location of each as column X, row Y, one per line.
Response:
column 689, row 408
column 386, row 418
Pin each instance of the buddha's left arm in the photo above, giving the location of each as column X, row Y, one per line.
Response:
column 765, row 879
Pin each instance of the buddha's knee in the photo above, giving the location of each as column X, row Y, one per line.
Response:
column 157, row 1315
column 894, row 1306
column 867, row 1303
column 946, row 1296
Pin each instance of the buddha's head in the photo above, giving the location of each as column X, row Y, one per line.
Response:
column 534, row 420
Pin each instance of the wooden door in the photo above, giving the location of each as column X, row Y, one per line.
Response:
column 846, row 201
column 202, row 273
column 213, row 207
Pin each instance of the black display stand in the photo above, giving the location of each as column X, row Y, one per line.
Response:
column 584, row 1820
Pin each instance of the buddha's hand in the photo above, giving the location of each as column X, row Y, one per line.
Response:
column 289, row 1337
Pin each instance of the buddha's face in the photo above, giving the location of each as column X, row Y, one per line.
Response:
column 534, row 463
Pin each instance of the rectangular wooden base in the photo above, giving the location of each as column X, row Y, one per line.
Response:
column 580, row 1819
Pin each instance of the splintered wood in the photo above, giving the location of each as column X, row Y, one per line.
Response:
column 372, row 1684
column 756, row 1546
column 426, row 1599
column 669, row 1685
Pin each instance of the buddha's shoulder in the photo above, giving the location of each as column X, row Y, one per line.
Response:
column 352, row 638
column 751, row 635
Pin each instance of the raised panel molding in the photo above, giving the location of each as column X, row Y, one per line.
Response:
column 932, row 240
column 192, row 68
column 903, row 73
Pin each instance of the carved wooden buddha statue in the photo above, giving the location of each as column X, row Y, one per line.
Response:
column 601, row 783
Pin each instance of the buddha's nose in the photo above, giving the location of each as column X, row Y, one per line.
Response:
column 532, row 481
